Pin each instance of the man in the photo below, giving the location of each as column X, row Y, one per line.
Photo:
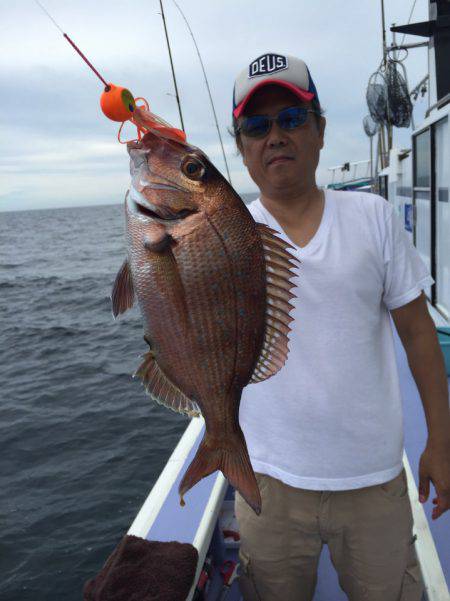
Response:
column 325, row 434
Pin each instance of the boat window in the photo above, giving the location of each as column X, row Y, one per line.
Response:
column 422, row 200
column 383, row 186
column 422, row 175
column 442, row 216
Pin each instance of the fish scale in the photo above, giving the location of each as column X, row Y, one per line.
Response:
column 214, row 332
column 244, row 249
column 160, row 304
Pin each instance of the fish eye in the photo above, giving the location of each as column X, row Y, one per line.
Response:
column 193, row 168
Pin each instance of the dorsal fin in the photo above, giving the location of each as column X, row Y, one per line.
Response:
column 279, row 269
column 162, row 390
column 122, row 296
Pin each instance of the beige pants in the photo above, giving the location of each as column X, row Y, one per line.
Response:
column 368, row 532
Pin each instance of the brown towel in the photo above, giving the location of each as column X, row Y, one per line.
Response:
column 141, row 570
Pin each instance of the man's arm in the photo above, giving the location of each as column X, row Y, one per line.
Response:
column 418, row 335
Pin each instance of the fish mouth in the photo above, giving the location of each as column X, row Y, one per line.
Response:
column 140, row 205
column 161, row 183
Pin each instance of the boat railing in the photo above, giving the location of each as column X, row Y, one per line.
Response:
column 350, row 172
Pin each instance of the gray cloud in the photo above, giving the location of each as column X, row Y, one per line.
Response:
column 57, row 147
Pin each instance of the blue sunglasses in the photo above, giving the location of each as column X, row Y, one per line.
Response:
column 258, row 126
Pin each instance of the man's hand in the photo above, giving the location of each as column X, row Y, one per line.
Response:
column 418, row 334
column 435, row 466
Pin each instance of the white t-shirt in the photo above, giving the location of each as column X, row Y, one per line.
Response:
column 331, row 418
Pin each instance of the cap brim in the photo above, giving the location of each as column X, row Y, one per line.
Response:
column 302, row 94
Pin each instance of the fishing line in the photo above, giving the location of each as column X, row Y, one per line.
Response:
column 207, row 87
column 409, row 20
column 49, row 16
column 72, row 43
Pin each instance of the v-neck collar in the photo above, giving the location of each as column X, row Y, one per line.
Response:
column 321, row 231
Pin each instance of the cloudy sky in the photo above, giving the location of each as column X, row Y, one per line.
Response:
column 57, row 148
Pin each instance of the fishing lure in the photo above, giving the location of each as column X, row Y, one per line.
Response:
column 118, row 104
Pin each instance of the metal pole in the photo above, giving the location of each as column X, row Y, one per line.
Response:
column 171, row 64
column 381, row 147
column 384, row 141
column 390, row 129
column 394, row 47
column 384, row 31
column 380, row 151
column 375, row 183
column 371, row 161
column 385, row 160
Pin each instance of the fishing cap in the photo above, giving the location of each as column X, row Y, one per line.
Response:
column 269, row 69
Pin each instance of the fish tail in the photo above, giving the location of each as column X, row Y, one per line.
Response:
column 232, row 460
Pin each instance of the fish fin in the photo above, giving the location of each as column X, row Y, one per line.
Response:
column 162, row 390
column 122, row 296
column 279, row 270
column 232, row 460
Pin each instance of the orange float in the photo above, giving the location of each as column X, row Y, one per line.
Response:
column 117, row 103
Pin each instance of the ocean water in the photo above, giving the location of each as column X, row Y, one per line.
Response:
column 81, row 444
